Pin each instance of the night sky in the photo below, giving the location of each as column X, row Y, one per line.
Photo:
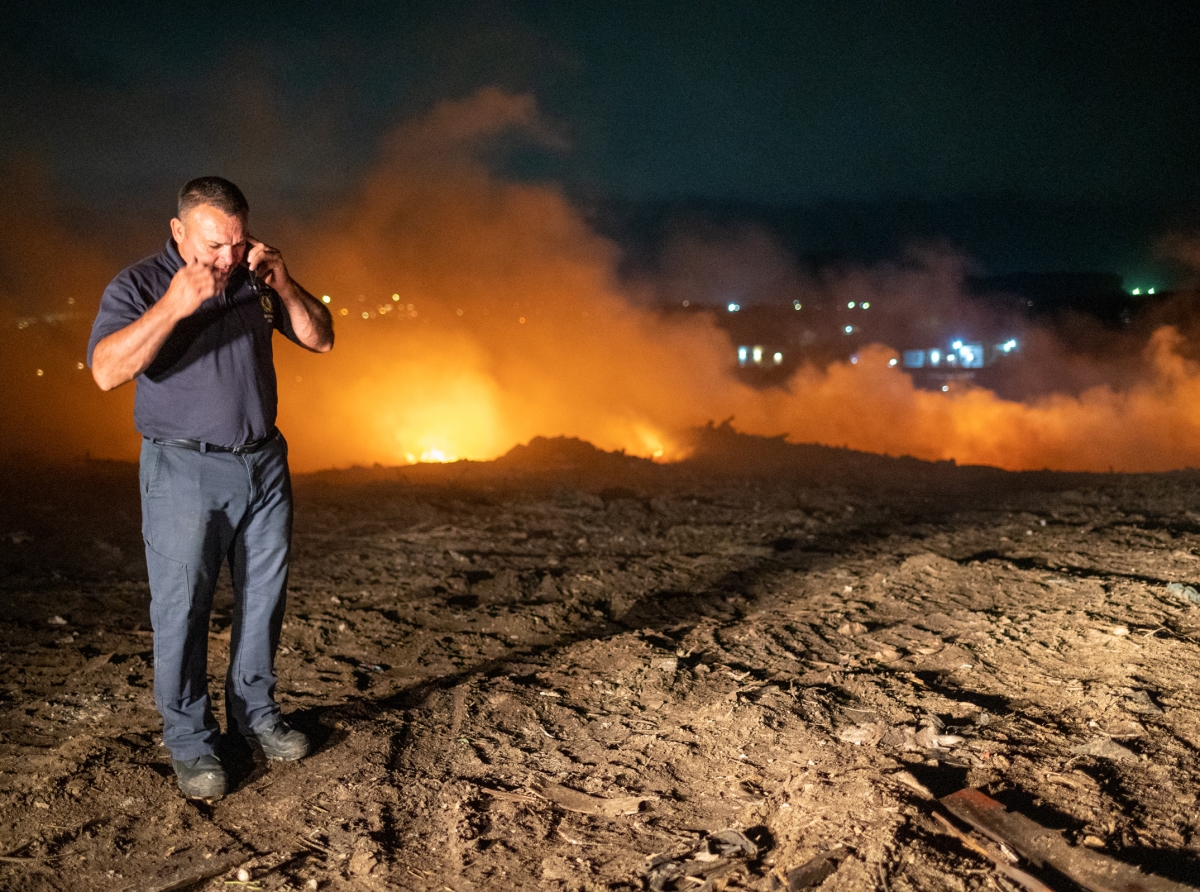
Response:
column 1045, row 136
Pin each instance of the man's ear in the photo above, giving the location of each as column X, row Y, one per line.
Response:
column 177, row 229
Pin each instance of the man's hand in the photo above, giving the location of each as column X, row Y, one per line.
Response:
column 309, row 317
column 193, row 285
column 266, row 263
column 125, row 354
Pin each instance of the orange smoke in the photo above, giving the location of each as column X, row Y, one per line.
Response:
column 474, row 314
column 1152, row 426
column 50, row 285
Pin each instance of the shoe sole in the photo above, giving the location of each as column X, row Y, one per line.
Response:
column 285, row 757
column 276, row 756
column 271, row 758
column 198, row 791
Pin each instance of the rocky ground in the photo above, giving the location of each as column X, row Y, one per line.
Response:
column 565, row 669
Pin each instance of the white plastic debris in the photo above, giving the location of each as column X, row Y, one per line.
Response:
column 1185, row 591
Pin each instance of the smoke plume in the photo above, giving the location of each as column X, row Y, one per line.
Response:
column 474, row 313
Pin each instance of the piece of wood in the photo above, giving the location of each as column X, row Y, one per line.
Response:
column 586, row 804
column 508, row 796
column 1093, row 871
column 1020, row 877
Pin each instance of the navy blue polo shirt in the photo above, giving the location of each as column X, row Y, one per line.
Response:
column 214, row 377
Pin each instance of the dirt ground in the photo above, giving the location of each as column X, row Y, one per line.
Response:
column 568, row 669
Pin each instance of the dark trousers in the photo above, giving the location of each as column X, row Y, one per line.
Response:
column 198, row 511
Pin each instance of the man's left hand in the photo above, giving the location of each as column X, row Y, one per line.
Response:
column 266, row 262
column 310, row 318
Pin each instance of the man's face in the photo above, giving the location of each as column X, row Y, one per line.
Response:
column 209, row 236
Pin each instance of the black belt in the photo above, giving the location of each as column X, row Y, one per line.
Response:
column 201, row 446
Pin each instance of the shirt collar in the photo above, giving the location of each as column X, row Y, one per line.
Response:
column 174, row 259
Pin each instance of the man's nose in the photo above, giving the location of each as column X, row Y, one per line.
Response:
column 224, row 258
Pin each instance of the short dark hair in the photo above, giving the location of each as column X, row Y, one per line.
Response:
column 215, row 191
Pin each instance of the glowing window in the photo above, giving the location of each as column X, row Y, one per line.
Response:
column 971, row 356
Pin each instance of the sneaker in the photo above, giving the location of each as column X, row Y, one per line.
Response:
column 281, row 743
column 201, row 778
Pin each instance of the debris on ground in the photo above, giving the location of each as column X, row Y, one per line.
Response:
column 724, row 857
column 1184, row 591
column 1092, row 870
column 540, row 672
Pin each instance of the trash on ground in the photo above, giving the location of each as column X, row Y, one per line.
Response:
column 715, row 856
column 1105, row 748
column 1141, row 703
column 1186, row 591
column 813, row 872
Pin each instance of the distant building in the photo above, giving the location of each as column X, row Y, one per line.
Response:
column 938, row 348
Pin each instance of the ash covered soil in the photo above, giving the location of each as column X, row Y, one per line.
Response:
column 569, row 669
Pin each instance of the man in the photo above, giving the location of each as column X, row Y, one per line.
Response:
column 193, row 326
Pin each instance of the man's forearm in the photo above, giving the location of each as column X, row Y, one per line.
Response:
column 311, row 320
column 125, row 354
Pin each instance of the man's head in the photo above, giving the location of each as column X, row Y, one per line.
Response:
column 210, row 227
column 217, row 192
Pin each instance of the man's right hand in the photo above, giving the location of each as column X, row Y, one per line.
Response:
column 192, row 285
column 126, row 353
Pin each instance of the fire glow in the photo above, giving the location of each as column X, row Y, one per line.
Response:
column 474, row 314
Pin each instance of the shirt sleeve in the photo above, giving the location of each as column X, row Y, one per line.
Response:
column 123, row 303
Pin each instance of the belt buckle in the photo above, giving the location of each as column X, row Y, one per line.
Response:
column 252, row 446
